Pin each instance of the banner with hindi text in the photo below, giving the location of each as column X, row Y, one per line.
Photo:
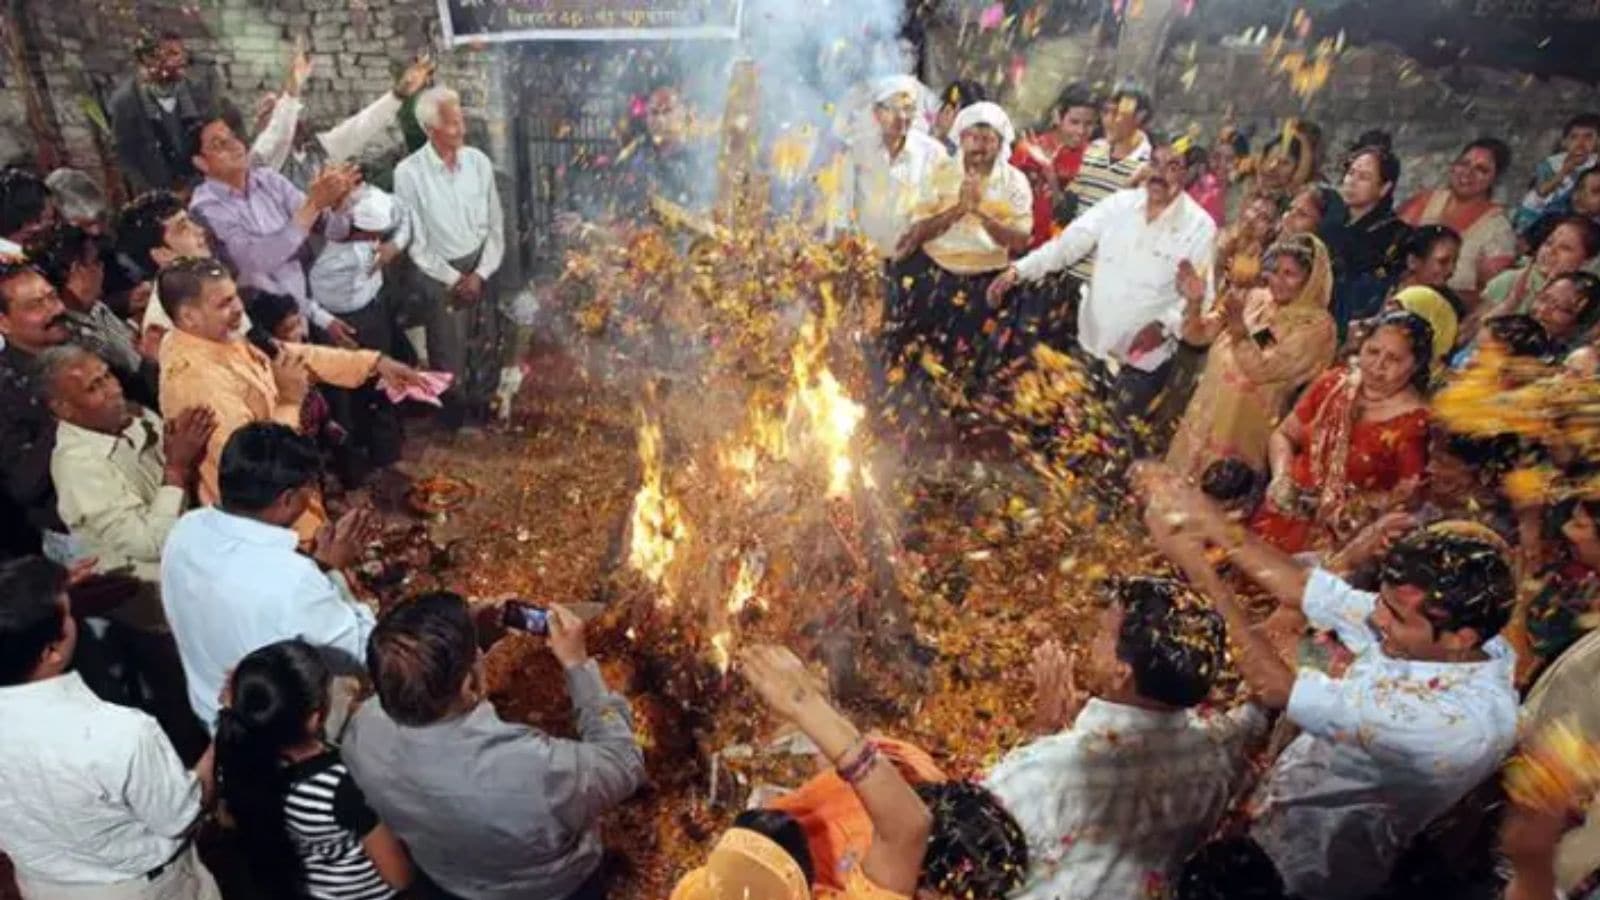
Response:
column 476, row 21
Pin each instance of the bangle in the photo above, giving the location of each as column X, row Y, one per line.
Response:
column 859, row 745
column 858, row 770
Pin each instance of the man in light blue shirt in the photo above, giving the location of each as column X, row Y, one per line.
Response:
column 232, row 580
column 1425, row 711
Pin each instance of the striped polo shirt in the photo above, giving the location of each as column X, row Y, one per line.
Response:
column 326, row 817
column 1098, row 178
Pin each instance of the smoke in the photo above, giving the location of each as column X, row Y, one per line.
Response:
column 814, row 59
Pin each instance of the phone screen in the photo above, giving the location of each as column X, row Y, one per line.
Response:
column 524, row 616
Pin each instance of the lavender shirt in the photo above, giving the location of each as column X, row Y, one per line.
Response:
column 258, row 233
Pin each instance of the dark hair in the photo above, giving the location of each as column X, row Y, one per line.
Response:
column 149, row 42
column 1497, row 149
column 419, row 654
column 1452, row 298
column 1077, row 94
column 268, row 310
column 962, row 93
column 23, row 199
column 11, row 270
column 1174, row 644
column 262, row 461
column 1228, row 480
column 275, row 690
column 1372, row 137
column 1422, row 239
column 1419, row 336
column 1588, row 233
column 785, row 831
column 61, row 248
column 975, row 848
column 1588, row 173
column 1588, row 287
column 1235, row 138
column 183, row 281
column 142, row 225
column 1466, row 580
column 1388, row 163
column 1490, row 456
column 194, row 137
column 30, row 616
column 1587, row 120
column 1521, row 334
column 1141, row 101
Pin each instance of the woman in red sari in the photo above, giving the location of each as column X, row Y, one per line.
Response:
column 1356, row 444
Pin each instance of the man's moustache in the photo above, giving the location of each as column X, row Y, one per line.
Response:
column 62, row 320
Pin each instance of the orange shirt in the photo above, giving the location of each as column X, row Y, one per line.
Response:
column 235, row 380
column 838, row 829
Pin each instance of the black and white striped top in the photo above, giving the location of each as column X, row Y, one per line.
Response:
column 327, row 817
column 1099, row 177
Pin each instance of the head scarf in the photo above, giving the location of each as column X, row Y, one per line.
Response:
column 745, row 865
column 1439, row 314
column 1310, row 306
column 990, row 114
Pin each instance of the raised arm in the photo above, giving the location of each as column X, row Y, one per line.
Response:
column 1263, row 669
column 1188, row 511
column 587, row 777
column 900, row 820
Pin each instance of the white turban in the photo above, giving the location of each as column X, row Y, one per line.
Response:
column 989, row 114
column 373, row 210
column 888, row 88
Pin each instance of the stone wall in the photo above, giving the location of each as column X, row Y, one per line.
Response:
column 1430, row 112
column 83, row 49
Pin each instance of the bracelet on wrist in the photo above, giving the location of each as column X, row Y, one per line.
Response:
column 856, row 747
column 858, row 769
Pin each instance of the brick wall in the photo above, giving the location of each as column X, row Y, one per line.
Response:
column 84, row 48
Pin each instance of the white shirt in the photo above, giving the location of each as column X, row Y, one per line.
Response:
column 93, row 793
column 232, row 585
column 1136, row 270
column 343, row 141
column 1384, row 750
column 342, row 279
column 880, row 194
column 457, row 211
column 1115, row 804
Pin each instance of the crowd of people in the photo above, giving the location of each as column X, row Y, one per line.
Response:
column 179, row 649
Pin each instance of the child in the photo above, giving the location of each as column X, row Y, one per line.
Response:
column 277, row 318
column 307, row 828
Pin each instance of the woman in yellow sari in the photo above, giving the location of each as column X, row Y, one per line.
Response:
column 1265, row 345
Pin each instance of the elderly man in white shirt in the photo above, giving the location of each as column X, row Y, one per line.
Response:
column 459, row 244
column 232, row 580
column 97, row 804
column 1085, row 794
column 1149, row 243
column 1424, row 713
column 884, row 170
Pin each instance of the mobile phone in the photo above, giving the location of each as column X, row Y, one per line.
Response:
column 522, row 615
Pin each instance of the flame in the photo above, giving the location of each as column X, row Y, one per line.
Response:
column 752, row 568
column 822, row 400
column 722, row 650
column 658, row 525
